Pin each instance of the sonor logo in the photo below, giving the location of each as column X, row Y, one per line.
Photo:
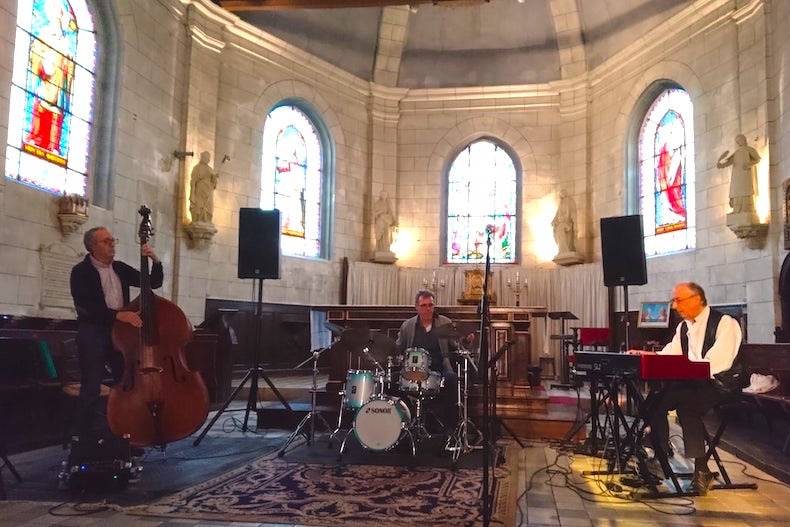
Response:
column 378, row 411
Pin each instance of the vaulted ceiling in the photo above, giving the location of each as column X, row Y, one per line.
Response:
column 456, row 43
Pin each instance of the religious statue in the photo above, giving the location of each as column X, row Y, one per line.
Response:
column 743, row 180
column 564, row 224
column 384, row 224
column 203, row 181
column 743, row 220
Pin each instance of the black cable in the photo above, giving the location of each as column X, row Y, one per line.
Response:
column 744, row 468
column 77, row 507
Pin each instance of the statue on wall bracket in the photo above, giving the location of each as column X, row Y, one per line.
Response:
column 384, row 227
column 564, row 224
column 202, row 183
column 72, row 213
column 743, row 220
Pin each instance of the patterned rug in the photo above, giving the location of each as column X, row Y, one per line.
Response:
column 274, row 490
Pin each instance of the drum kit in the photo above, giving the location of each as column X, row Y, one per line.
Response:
column 387, row 403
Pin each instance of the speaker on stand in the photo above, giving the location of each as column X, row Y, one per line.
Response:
column 623, row 256
column 259, row 258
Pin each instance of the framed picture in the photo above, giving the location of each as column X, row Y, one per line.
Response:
column 653, row 315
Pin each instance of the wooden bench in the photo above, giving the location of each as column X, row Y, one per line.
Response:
column 770, row 359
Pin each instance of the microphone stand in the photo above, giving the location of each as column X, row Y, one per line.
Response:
column 485, row 316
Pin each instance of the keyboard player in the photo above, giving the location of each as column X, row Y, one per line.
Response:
column 703, row 335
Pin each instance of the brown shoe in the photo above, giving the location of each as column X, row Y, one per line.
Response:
column 702, row 482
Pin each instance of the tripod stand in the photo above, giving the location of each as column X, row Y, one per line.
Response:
column 253, row 374
column 314, row 413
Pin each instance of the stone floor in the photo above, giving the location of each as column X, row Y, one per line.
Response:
column 552, row 492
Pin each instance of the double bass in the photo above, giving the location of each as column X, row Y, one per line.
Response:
column 159, row 399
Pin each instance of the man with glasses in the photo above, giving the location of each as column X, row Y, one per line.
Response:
column 704, row 335
column 420, row 331
column 100, row 288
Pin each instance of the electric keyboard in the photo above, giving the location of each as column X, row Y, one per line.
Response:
column 648, row 367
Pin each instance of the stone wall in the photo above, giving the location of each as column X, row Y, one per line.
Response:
column 195, row 78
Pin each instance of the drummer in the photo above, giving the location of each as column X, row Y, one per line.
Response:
column 419, row 332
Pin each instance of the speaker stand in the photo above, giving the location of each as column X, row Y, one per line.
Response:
column 253, row 374
column 627, row 318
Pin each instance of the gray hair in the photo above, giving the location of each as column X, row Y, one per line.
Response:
column 424, row 293
column 88, row 239
column 697, row 289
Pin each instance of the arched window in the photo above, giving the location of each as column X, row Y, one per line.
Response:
column 294, row 179
column 665, row 150
column 482, row 190
column 52, row 95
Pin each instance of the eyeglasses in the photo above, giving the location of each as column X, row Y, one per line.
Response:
column 109, row 241
column 425, row 305
column 676, row 300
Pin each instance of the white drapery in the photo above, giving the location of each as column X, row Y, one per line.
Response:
column 578, row 289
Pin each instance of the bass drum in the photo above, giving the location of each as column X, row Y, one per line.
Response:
column 378, row 424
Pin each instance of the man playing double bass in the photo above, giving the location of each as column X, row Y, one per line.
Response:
column 100, row 288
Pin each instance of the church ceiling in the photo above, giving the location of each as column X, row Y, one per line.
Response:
column 456, row 43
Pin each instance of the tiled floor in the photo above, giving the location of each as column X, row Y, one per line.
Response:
column 558, row 495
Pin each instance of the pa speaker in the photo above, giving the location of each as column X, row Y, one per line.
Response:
column 623, row 251
column 259, row 243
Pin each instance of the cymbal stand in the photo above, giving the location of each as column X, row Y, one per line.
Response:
column 418, row 423
column 314, row 412
column 458, row 442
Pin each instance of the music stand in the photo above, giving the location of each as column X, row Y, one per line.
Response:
column 564, row 339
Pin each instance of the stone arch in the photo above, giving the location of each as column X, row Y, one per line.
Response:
column 635, row 104
column 465, row 132
column 326, row 120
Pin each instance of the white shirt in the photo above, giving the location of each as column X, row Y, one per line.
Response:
column 110, row 284
column 724, row 349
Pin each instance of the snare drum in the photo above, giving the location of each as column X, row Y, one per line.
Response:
column 430, row 386
column 360, row 386
column 378, row 424
column 416, row 364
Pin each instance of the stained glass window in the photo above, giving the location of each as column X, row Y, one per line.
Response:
column 666, row 173
column 481, row 191
column 52, row 86
column 292, row 179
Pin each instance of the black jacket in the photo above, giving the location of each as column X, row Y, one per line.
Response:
column 89, row 297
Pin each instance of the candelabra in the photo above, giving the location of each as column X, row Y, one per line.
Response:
column 516, row 286
column 433, row 283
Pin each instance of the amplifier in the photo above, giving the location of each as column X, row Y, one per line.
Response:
column 98, row 464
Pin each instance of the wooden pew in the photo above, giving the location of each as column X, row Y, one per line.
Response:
column 770, row 359
column 35, row 398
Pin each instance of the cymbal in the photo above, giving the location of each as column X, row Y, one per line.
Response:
column 446, row 332
column 355, row 338
column 383, row 346
column 334, row 328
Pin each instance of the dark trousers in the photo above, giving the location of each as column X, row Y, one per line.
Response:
column 96, row 357
column 692, row 400
column 445, row 404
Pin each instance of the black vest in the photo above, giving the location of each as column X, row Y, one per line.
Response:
column 710, row 333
